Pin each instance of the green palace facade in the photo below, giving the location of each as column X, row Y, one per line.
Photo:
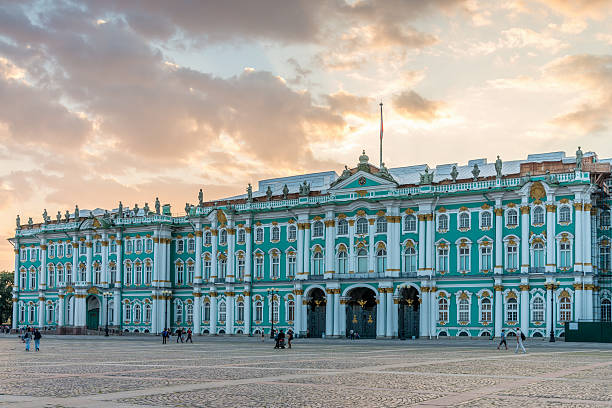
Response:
column 455, row 250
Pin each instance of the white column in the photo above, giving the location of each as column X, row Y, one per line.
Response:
column 389, row 313
column 422, row 244
column 351, row 245
column 156, row 258
column 88, row 269
column 41, row 310
column 117, row 305
column 247, row 311
column 306, row 227
column 215, row 241
column 524, row 308
column 61, row 308
column 549, row 311
column 75, row 260
column 588, row 294
column 578, row 241
column 330, row 265
column 231, row 252
column 119, row 273
column 371, row 247
column 551, row 242
column 432, row 310
column 154, row 313
column 16, row 281
column 342, row 317
column 198, row 256
column 329, row 312
column 395, row 316
column 525, row 261
column 15, row 311
column 213, row 311
column 297, row 323
column 229, row 305
column 380, row 312
column 430, row 245
column 336, row 312
column 248, row 267
column 42, row 279
column 578, row 299
column 424, row 311
column 499, row 317
column 588, row 254
column 197, row 312
column 105, row 273
column 499, row 244
column 300, row 251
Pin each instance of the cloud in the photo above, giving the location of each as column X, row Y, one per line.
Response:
column 413, row 106
column 595, row 9
column 346, row 103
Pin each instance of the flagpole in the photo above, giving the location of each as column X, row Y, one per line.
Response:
column 381, row 133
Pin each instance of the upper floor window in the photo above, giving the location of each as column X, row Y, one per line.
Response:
column 259, row 266
column 537, row 309
column 259, row 234
column 191, row 245
column 291, row 265
column 24, row 255
column 317, row 260
column 342, row 261
column 486, row 220
column 565, row 309
column 443, row 222
column 511, row 310
column 604, row 258
column 442, row 260
column 410, row 223
column 317, row 229
column 538, row 255
column 292, row 233
column 223, row 237
column 381, row 225
column 464, row 220
column 565, row 214
column 362, row 261
column 342, row 227
column 275, row 266
column 139, row 245
column 51, row 251
column 180, row 245
column 112, row 246
column 442, row 310
column 512, row 218
column 83, row 248
column 565, row 255
column 241, row 235
column 486, row 258
column 129, row 246
column 275, row 233
column 512, row 257
column 207, row 238
column 98, row 247
column 464, row 258
column 485, row 310
column 538, row 216
column 149, row 245
column 60, row 251
column 381, row 261
column 605, row 218
column 410, row 259
column 180, row 274
column 362, row 226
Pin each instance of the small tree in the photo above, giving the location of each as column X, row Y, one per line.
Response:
column 6, row 296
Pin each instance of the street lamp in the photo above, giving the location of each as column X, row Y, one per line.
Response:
column 553, row 286
column 166, row 294
column 272, row 293
column 107, row 296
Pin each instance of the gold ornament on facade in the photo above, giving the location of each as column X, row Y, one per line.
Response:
column 498, row 288
column 524, row 288
column 441, row 210
column 409, row 211
column 499, row 212
column 485, row 206
column 578, row 206
column 525, row 209
column 361, row 213
column 551, row 208
column 537, row 191
column 463, row 296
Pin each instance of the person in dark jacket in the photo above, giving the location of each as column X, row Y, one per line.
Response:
column 37, row 337
column 179, row 335
column 189, row 333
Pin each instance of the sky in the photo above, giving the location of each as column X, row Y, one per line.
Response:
column 102, row 101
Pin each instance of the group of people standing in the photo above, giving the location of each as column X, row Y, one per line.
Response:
column 29, row 335
column 180, row 335
column 520, row 338
column 279, row 338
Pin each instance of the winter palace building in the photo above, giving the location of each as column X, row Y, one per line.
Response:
column 457, row 250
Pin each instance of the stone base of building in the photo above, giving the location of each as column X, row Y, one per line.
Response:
column 72, row 330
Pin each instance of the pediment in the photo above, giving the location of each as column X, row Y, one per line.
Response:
column 363, row 180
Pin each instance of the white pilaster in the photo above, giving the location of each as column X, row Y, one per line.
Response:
column 381, row 310
column 499, row 244
column 247, row 311
column 389, row 313
column 587, row 258
column 42, row 279
column 551, row 242
column 88, row 267
column 371, row 246
column 524, row 306
column 499, row 317
column 337, row 312
column 422, row 244
column 213, row 311
column 525, row 261
column 248, row 267
column 329, row 312
column 578, row 241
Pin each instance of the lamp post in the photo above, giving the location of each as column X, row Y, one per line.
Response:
column 553, row 286
column 166, row 294
column 107, row 296
column 272, row 293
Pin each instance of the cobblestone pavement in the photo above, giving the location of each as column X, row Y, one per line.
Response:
column 73, row 371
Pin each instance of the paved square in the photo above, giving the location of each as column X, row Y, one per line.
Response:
column 226, row 372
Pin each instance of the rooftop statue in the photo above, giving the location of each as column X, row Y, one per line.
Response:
column 146, row 209
column 58, row 216
column 454, row 173
column 304, row 189
column 475, row 171
column 187, row 208
column 30, row 222
column 136, row 210
column 384, row 173
column 120, row 211
column 201, row 198
column 77, row 213
column 363, row 162
column 45, row 216
column 18, row 222
column 498, row 167
column 579, row 156
column 285, row 192
column 67, row 216
column 427, row 177
column 157, row 206
column 249, row 193
column 269, row 194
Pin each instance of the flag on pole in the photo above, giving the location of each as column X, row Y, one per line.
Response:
column 381, row 134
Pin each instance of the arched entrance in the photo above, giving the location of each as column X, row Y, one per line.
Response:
column 408, row 315
column 93, row 313
column 316, row 313
column 361, row 312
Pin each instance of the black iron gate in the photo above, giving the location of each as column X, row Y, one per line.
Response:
column 316, row 318
column 408, row 321
column 361, row 320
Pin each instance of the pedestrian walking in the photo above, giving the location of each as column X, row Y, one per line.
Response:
column 164, row 333
column 189, row 339
column 520, row 337
column 179, row 335
column 263, row 336
column 289, row 337
column 352, row 334
column 26, row 339
column 502, row 340
column 37, row 337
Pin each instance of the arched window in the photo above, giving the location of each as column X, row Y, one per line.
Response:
column 240, row 311
column 60, row 273
column 604, row 258
column 127, row 278
column 21, row 313
column 190, row 273
column 464, row 220
column 342, row 227
column 291, row 264
column 127, row 312
column 381, row 225
column 565, row 309
column 362, row 226
column 137, row 313
column 410, row 260
column 292, row 233
column 82, row 272
column 139, row 245
column 485, row 310
column 442, row 259
column 565, row 255
column 60, row 251
column 50, row 310
column 538, row 255
column 147, row 314
column 222, row 268
column 23, row 279
column 259, row 234
column 443, row 222
column 342, row 261
column 51, row 278
column 362, row 261
column 68, row 273
column 606, row 310
column 180, row 246
column 180, row 271
column 206, row 314
column 317, row 263
column 178, row 313
column 464, row 310
column 512, row 257
column 207, row 268
column 486, row 220
column 51, row 251
column 222, row 311
column 486, row 258
column 381, row 261
column 442, row 310
column 410, row 223
column 511, row 310
column 33, row 278
column 97, row 269
column 148, row 273
column 148, row 245
column 512, row 218
column 241, row 266
column 275, row 265
column 290, row 311
column 189, row 313
column 259, row 266
column 98, row 247
column 537, row 309
column 241, row 235
column 275, row 311
column 538, row 216
column 32, row 311
column 275, row 233
column 258, row 311
column 207, row 238
column 190, row 245
column 565, row 214
column 464, row 258
column 223, row 237
column 317, row 229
